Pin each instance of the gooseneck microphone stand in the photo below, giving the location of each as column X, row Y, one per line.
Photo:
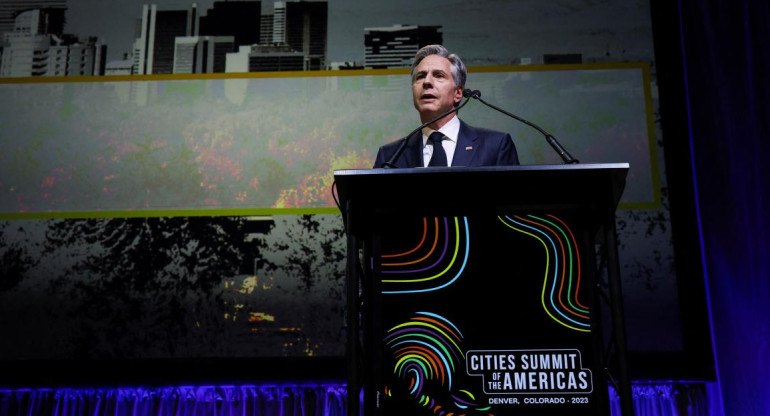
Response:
column 565, row 156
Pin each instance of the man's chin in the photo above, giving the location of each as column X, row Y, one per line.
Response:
column 429, row 115
column 427, row 108
column 433, row 108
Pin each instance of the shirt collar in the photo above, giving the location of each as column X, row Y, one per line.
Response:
column 451, row 130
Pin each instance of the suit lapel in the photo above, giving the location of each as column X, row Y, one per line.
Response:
column 413, row 152
column 466, row 146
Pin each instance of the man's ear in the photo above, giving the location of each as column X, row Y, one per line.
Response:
column 459, row 95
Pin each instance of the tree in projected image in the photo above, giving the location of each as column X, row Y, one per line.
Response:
column 144, row 287
column 15, row 260
column 305, row 258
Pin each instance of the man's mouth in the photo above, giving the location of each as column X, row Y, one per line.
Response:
column 427, row 97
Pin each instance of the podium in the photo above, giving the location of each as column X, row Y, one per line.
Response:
column 481, row 290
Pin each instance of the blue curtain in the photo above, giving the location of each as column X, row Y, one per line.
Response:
column 671, row 399
column 650, row 399
column 274, row 400
column 726, row 64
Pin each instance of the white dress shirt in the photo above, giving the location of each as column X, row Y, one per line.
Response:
column 451, row 130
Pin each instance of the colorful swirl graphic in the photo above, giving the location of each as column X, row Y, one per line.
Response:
column 562, row 279
column 433, row 263
column 426, row 354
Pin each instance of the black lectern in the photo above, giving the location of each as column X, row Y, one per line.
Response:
column 478, row 291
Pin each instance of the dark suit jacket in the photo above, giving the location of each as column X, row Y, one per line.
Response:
column 475, row 147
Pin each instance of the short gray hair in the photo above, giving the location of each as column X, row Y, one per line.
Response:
column 459, row 73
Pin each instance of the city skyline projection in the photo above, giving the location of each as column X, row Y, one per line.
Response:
column 242, row 36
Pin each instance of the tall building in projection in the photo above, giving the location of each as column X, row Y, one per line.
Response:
column 36, row 46
column 266, row 29
column 201, row 54
column 10, row 9
column 25, row 47
column 262, row 58
column 303, row 26
column 279, row 24
column 72, row 56
column 239, row 19
column 155, row 47
column 395, row 46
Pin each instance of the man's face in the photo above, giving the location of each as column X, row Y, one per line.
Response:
column 433, row 88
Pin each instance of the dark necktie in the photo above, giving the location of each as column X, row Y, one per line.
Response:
column 439, row 155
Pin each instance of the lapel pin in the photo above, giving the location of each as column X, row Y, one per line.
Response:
column 469, row 148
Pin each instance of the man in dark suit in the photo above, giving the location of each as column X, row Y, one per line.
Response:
column 438, row 81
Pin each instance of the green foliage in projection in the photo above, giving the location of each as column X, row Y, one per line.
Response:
column 273, row 143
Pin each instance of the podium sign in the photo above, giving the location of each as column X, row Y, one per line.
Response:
column 477, row 288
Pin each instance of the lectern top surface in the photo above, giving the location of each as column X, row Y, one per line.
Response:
column 594, row 187
column 466, row 169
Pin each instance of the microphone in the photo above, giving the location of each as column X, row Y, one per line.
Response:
column 391, row 162
column 472, row 93
column 565, row 156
